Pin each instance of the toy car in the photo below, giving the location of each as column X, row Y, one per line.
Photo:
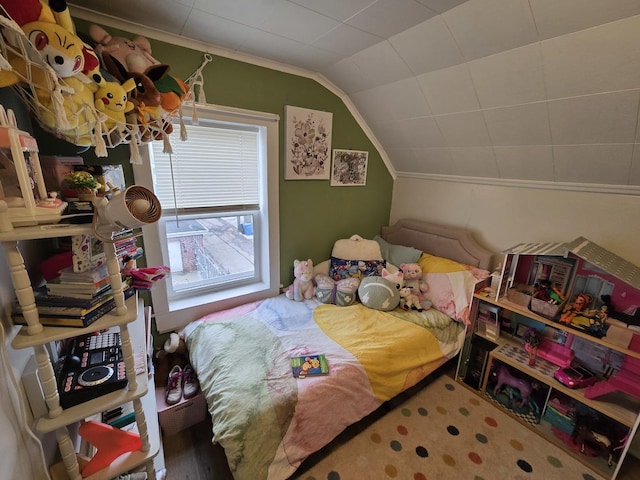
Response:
column 575, row 377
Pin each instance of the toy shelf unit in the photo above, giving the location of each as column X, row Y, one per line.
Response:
column 34, row 335
column 580, row 389
column 22, row 186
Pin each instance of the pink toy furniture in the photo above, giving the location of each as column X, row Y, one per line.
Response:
column 627, row 379
column 561, row 355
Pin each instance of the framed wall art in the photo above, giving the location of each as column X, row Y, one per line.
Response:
column 349, row 168
column 307, row 144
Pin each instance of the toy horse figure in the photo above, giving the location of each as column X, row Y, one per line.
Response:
column 506, row 378
column 584, row 435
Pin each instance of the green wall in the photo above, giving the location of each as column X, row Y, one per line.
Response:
column 312, row 213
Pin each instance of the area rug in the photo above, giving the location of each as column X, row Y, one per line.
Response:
column 446, row 432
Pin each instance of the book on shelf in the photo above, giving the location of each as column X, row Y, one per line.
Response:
column 67, row 320
column 44, row 299
column 308, row 365
column 67, row 309
column 94, row 275
column 120, row 416
column 79, row 290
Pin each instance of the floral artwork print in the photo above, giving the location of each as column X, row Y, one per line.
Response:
column 349, row 168
column 308, row 143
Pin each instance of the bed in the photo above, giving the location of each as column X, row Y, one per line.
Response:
column 266, row 420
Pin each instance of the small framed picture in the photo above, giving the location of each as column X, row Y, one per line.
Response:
column 522, row 329
column 349, row 168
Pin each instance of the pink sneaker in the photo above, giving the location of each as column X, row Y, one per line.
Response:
column 190, row 384
column 173, row 392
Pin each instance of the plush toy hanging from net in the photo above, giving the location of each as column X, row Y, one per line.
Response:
column 90, row 98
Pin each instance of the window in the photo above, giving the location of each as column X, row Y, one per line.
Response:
column 219, row 227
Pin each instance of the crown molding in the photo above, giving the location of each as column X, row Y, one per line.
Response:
column 138, row 29
column 538, row 185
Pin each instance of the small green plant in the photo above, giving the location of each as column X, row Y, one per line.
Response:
column 82, row 181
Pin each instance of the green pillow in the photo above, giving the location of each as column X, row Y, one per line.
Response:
column 378, row 293
column 397, row 254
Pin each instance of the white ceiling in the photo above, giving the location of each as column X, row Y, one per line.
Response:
column 538, row 90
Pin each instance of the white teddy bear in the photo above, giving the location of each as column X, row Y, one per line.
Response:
column 409, row 300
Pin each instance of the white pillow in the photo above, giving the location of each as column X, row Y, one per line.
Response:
column 322, row 267
column 356, row 248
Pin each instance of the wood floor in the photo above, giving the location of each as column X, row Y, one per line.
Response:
column 190, row 455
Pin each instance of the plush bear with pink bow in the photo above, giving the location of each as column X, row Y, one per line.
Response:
column 412, row 273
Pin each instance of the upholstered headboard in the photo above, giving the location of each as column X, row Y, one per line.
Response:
column 449, row 242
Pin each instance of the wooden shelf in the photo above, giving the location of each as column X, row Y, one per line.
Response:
column 130, row 460
column 35, row 335
column 50, row 334
column 514, row 307
column 101, row 403
column 619, row 407
column 41, row 232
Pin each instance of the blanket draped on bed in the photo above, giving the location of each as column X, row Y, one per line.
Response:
column 267, row 421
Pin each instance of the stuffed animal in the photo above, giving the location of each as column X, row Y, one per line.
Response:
column 135, row 56
column 396, row 278
column 55, row 12
column 147, row 111
column 173, row 352
column 302, row 287
column 26, row 11
column 75, row 117
column 413, row 278
column 175, row 343
column 409, row 300
column 70, row 114
column 111, row 99
column 90, row 74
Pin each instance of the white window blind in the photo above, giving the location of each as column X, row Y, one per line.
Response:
column 216, row 168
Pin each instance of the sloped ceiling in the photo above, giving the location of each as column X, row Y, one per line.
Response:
column 524, row 90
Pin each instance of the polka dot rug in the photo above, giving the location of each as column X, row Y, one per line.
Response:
column 446, row 432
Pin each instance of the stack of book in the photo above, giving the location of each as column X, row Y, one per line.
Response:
column 80, row 284
column 127, row 249
column 63, row 311
column 73, row 299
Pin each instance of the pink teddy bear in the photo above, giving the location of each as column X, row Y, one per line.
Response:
column 412, row 273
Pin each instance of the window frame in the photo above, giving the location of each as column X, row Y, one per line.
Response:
column 174, row 311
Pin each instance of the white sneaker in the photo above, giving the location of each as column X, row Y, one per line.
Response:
column 190, row 383
column 173, row 392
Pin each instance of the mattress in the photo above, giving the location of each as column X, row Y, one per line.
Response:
column 267, row 420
